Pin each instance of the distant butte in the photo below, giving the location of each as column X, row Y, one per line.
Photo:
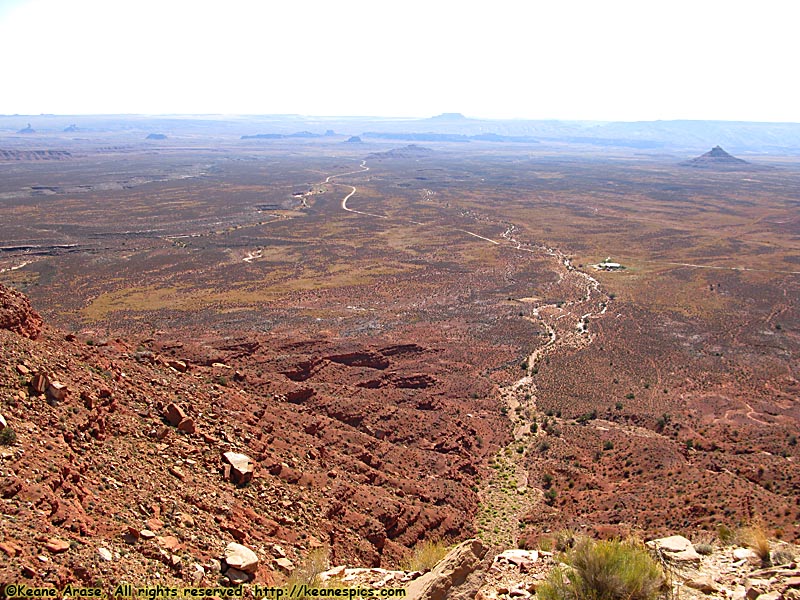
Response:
column 410, row 151
column 449, row 117
column 27, row 129
column 717, row 158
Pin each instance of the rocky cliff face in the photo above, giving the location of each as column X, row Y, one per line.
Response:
column 17, row 315
column 154, row 456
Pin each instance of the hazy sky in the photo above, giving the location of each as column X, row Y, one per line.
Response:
column 565, row 59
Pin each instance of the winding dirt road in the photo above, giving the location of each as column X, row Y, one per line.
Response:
column 510, row 503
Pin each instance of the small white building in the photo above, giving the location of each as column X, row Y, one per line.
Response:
column 609, row 265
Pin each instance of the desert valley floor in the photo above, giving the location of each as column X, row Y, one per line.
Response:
column 411, row 341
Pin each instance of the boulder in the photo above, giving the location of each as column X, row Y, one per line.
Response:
column 105, row 554
column 238, row 467
column 744, row 554
column 57, row 391
column 756, row 587
column 449, row 574
column 169, row 542
column 178, row 365
column 174, row 414
column 675, row 548
column 187, row 425
column 523, row 559
column 240, row 558
column 284, row 565
column 56, row 546
column 703, row 583
column 39, row 382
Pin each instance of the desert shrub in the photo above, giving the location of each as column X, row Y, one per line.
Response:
column 704, row 549
column 754, row 536
column 725, row 534
column 704, row 542
column 565, row 539
column 605, row 570
column 308, row 572
column 782, row 556
column 425, row 556
column 546, row 544
column 7, row 436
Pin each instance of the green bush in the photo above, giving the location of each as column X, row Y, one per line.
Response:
column 605, row 570
column 425, row 556
column 704, row 549
column 7, row 436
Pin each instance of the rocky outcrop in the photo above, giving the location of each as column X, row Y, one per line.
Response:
column 360, row 359
column 450, row 574
column 17, row 315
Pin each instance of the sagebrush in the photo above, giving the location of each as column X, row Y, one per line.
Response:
column 606, row 570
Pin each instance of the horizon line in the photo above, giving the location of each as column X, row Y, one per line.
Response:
column 448, row 116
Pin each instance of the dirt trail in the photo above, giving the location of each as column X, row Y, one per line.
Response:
column 506, row 497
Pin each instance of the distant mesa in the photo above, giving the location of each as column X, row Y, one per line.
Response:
column 410, row 151
column 449, row 137
column 354, row 140
column 156, row 136
column 71, row 129
column 418, row 137
column 303, row 134
column 330, row 132
column 264, row 136
column 281, row 136
column 717, row 158
column 27, row 129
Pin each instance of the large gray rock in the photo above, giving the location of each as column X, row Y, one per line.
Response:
column 449, row 574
